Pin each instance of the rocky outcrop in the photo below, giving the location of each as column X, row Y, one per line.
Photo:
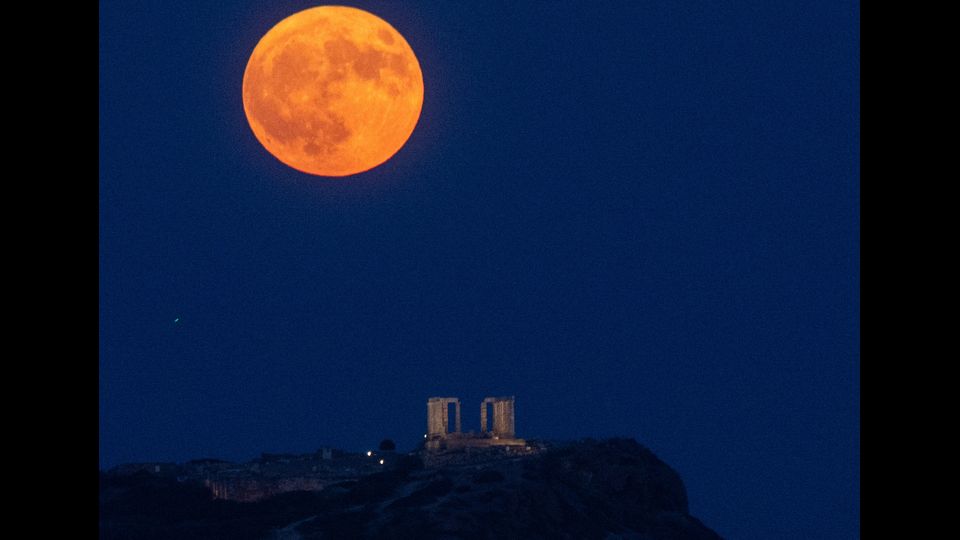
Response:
column 267, row 476
column 612, row 489
column 607, row 489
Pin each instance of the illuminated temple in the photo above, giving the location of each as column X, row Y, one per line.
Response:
column 496, row 425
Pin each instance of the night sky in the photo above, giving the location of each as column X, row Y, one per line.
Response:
column 640, row 219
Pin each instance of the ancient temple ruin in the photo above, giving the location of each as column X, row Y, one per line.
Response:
column 438, row 415
column 502, row 416
column 497, row 428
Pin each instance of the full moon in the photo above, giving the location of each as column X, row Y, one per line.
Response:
column 332, row 91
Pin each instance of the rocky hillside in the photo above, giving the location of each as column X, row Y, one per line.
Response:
column 589, row 489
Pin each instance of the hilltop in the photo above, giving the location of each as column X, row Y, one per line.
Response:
column 588, row 489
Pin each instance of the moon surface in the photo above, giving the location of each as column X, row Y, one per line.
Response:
column 332, row 91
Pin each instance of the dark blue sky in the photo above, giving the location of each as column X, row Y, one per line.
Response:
column 640, row 219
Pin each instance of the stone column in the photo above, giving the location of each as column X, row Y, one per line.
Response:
column 507, row 428
column 498, row 418
column 458, row 416
column 483, row 416
column 436, row 413
column 429, row 417
column 445, row 417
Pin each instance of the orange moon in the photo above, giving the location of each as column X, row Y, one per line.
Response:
column 332, row 91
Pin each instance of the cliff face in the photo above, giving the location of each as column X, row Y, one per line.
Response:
column 609, row 489
column 590, row 489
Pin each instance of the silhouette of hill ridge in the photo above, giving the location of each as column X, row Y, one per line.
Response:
column 610, row 489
